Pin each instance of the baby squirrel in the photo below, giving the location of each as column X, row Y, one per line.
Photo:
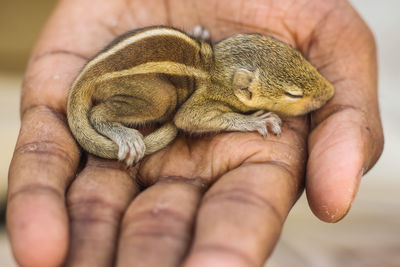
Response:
column 161, row 75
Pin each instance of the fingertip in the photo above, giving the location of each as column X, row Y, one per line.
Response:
column 38, row 233
column 331, row 194
column 330, row 211
column 333, row 178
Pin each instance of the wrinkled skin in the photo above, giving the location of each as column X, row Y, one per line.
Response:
column 212, row 201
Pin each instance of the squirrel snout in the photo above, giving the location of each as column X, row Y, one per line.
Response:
column 320, row 99
column 327, row 92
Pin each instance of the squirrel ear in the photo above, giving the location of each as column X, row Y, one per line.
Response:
column 242, row 80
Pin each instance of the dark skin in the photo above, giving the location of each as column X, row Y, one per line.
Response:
column 213, row 201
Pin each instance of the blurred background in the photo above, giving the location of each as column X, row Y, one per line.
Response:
column 369, row 236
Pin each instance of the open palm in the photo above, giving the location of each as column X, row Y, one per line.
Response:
column 218, row 200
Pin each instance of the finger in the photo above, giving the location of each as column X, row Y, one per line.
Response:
column 44, row 163
column 347, row 138
column 341, row 149
column 96, row 201
column 241, row 216
column 157, row 227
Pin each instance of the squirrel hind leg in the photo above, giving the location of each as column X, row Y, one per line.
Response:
column 131, row 147
column 111, row 118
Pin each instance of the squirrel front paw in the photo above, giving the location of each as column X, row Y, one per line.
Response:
column 131, row 146
column 261, row 120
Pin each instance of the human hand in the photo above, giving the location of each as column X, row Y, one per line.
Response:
column 213, row 201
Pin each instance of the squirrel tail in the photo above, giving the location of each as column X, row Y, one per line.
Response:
column 160, row 138
column 79, row 104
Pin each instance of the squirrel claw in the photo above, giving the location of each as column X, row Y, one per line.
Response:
column 131, row 149
column 265, row 119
